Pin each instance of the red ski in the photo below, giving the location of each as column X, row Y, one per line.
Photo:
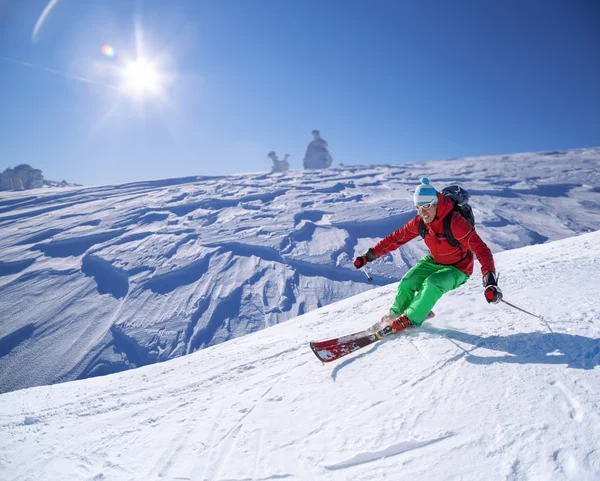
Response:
column 332, row 349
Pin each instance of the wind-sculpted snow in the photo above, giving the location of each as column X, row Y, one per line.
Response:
column 102, row 279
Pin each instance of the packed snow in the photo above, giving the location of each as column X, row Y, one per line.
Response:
column 480, row 392
column 101, row 279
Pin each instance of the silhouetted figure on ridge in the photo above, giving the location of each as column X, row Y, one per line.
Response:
column 317, row 155
column 279, row 165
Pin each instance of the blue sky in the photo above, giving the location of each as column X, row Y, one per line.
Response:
column 384, row 81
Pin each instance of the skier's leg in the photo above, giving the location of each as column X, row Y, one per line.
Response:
column 411, row 283
column 437, row 284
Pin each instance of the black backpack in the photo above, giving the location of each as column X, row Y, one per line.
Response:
column 460, row 199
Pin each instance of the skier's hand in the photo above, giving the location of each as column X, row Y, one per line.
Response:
column 363, row 260
column 360, row 262
column 492, row 292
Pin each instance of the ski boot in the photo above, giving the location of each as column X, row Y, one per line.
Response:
column 400, row 323
column 392, row 325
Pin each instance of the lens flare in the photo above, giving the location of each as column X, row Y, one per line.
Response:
column 108, row 51
column 40, row 22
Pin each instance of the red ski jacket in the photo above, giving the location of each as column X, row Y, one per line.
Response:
column 443, row 253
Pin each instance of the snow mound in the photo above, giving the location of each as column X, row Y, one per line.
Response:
column 481, row 392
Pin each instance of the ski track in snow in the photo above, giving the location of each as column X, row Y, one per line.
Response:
column 393, row 450
column 98, row 280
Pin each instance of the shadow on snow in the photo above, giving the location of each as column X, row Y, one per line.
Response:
column 576, row 352
column 12, row 340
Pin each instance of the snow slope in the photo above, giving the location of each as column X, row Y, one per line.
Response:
column 98, row 280
column 481, row 392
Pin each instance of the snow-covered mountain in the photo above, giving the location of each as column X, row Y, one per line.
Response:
column 480, row 392
column 97, row 280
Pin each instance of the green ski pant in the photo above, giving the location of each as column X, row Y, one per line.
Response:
column 422, row 286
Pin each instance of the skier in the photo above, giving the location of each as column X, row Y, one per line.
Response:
column 444, row 269
column 317, row 155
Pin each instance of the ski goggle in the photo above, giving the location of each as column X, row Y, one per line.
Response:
column 425, row 206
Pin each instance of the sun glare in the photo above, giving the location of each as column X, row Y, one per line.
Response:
column 142, row 78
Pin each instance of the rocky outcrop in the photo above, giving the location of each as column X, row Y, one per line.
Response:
column 22, row 177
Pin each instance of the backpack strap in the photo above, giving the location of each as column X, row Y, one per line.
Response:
column 422, row 229
column 448, row 230
column 447, row 222
column 448, row 234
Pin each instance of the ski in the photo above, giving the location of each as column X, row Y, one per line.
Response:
column 332, row 349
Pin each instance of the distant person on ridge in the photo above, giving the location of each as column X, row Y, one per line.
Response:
column 279, row 165
column 317, row 155
column 447, row 266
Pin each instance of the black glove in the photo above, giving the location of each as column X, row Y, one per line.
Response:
column 492, row 292
column 363, row 260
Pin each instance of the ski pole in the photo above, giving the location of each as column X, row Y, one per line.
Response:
column 522, row 310
column 541, row 318
column 369, row 278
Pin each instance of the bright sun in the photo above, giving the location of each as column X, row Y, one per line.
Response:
column 141, row 78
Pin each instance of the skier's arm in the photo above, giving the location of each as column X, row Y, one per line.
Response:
column 483, row 253
column 398, row 238
column 468, row 237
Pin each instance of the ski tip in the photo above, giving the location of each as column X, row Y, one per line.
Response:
column 315, row 350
